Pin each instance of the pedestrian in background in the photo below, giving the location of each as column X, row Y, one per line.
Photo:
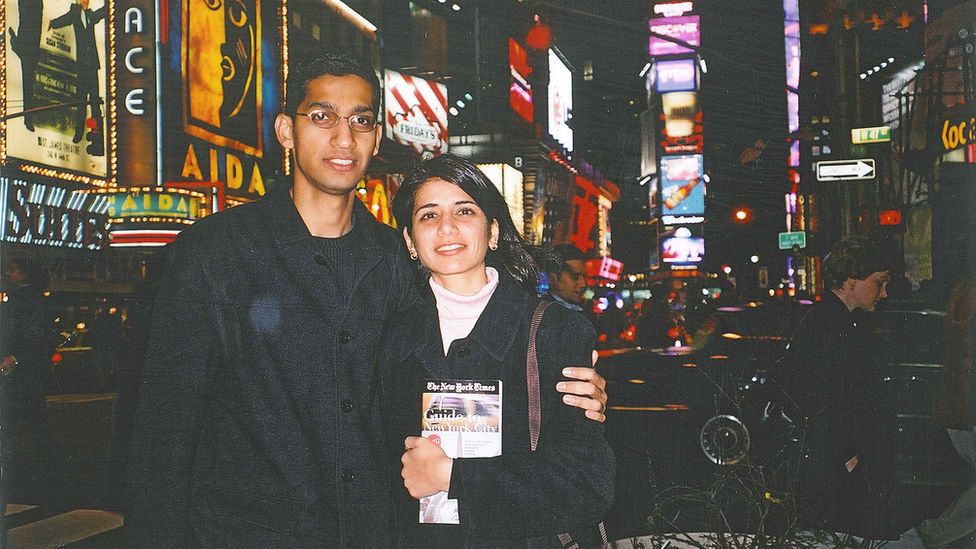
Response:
column 844, row 481
column 27, row 339
column 566, row 273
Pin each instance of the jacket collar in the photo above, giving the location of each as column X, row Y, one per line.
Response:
column 287, row 226
column 496, row 328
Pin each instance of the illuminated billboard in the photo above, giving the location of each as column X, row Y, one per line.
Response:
column 685, row 29
column 682, row 188
column 680, row 112
column 682, row 246
column 55, row 75
column 225, row 77
column 508, row 181
column 676, row 75
column 520, row 91
column 47, row 215
column 560, row 100
column 416, row 112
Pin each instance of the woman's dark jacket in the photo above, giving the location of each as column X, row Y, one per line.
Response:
column 256, row 422
column 521, row 498
column 836, row 396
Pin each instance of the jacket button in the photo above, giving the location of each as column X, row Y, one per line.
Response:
column 348, row 475
column 320, row 259
column 464, row 352
column 346, row 406
column 344, row 337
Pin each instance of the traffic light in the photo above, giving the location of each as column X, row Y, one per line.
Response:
column 742, row 214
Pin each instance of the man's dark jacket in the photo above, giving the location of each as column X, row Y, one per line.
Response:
column 837, row 398
column 523, row 498
column 257, row 423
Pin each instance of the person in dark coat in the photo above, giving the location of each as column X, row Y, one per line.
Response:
column 82, row 20
column 27, row 339
column 257, row 422
column 478, row 284
column 834, row 391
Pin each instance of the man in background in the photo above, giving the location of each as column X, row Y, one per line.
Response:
column 566, row 271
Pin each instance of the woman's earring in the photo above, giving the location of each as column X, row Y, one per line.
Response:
column 414, row 256
column 492, row 246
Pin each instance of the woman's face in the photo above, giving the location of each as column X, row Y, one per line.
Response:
column 451, row 236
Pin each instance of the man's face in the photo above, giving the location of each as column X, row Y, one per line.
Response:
column 331, row 160
column 868, row 292
column 571, row 283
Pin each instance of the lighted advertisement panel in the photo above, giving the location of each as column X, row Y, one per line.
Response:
column 416, row 112
column 222, row 89
column 686, row 29
column 47, row 215
column 683, row 246
column 136, row 113
column 520, row 91
column 682, row 187
column 686, row 144
column 676, row 75
column 508, row 181
column 560, row 100
column 56, row 69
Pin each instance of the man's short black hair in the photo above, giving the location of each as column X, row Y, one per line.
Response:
column 322, row 62
column 854, row 257
column 557, row 257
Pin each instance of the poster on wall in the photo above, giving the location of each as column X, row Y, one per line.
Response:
column 55, row 75
column 416, row 112
column 228, row 68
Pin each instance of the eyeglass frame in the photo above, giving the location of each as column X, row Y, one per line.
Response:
column 337, row 118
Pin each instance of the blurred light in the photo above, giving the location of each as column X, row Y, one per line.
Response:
column 453, row 111
column 455, row 7
column 647, row 67
column 754, row 259
column 632, row 278
column 863, row 76
column 47, row 294
column 741, row 214
column 636, row 381
column 706, row 178
column 703, row 65
column 726, row 269
column 732, row 335
column 362, row 191
column 682, row 232
column 891, row 59
column 772, row 292
column 56, row 358
column 80, row 326
column 884, row 64
column 112, row 310
column 460, row 104
column 704, row 291
column 620, row 303
column 677, row 343
column 468, row 97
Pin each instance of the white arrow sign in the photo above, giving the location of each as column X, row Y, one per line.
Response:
column 838, row 170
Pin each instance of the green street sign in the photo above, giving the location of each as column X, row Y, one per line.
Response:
column 788, row 240
column 879, row 134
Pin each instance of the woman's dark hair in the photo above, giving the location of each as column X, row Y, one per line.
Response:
column 315, row 63
column 853, row 257
column 513, row 253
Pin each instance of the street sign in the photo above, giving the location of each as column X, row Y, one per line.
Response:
column 788, row 240
column 844, row 170
column 879, row 134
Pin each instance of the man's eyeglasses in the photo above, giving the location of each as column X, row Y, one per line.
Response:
column 327, row 119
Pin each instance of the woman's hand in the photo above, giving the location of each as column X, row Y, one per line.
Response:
column 589, row 394
column 426, row 468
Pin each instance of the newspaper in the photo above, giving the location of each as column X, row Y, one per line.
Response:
column 464, row 417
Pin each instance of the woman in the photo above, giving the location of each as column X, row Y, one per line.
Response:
column 478, row 281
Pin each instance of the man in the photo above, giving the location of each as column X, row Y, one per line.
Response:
column 835, row 396
column 566, row 271
column 258, row 422
column 87, row 64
